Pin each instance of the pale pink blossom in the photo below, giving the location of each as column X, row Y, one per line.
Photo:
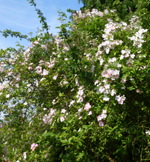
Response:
column 106, row 11
column 87, row 106
column 126, row 55
column 36, row 42
column 66, row 48
column 100, row 14
column 51, row 64
column 55, row 77
column 9, row 73
column 26, row 51
column 107, row 86
column 33, row 146
column 104, row 111
column 44, row 46
column 103, row 115
column 132, row 56
column 25, row 155
column 65, row 82
column 53, row 102
column 72, row 102
column 147, row 132
column 123, row 52
column 123, row 80
column 42, row 79
column 8, row 95
column 2, row 87
column 79, row 111
column 105, row 98
column 62, row 118
column 80, row 117
column 30, row 68
column 120, row 99
column 99, row 118
column 96, row 82
column 28, row 85
column 101, row 89
column 25, row 103
column 112, row 92
column 80, row 94
column 90, row 113
column 119, row 65
column 41, row 62
column 45, row 72
column 137, row 90
column 112, row 60
column 79, row 130
column 101, row 124
column 38, row 69
column 121, row 57
column 36, row 82
column 66, row 59
column 63, row 110
column 47, row 119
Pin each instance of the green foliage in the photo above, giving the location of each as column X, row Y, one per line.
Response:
column 125, row 8
column 40, row 15
column 16, row 34
column 69, row 58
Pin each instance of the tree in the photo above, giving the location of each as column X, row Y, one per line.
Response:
column 125, row 8
column 71, row 88
column 83, row 1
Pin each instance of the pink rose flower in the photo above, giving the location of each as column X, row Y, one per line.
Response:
column 33, row 146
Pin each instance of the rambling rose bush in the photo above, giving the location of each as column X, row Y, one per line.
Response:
column 90, row 90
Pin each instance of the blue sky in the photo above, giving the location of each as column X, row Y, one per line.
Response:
column 19, row 15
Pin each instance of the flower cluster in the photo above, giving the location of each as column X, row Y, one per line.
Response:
column 87, row 106
column 90, row 14
column 109, row 43
column 80, row 94
column 120, row 99
column 109, row 73
column 137, row 39
column 63, row 117
column 102, row 116
column 104, row 83
column 48, row 118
